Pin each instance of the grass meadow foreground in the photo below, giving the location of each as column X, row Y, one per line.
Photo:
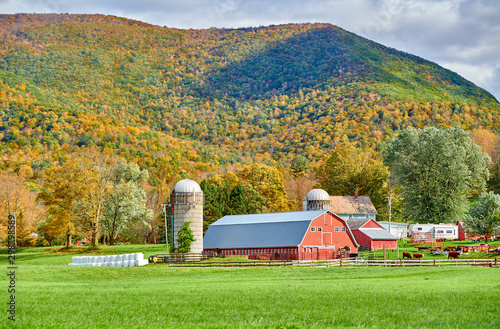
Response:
column 50, row 294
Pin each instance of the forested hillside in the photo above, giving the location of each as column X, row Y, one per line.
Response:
column 193, row 101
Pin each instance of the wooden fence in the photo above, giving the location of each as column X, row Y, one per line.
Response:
column 233, row 264
column 354, row 262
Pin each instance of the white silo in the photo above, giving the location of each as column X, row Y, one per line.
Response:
column 316, row 199
column 187, row 206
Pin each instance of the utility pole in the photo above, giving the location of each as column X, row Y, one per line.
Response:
column 164, row 208
column 390, row 197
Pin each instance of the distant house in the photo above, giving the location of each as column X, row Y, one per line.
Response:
column 370, row 235
column 353, row 207
column 301, row 235
column 435, row 231
column 399, row 230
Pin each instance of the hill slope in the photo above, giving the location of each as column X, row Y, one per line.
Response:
column 195, row 100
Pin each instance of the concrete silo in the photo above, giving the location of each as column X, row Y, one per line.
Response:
column 316, row 199
column 186, row 201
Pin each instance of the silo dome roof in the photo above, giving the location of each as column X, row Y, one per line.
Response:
column 318, row 195
column 187, row 185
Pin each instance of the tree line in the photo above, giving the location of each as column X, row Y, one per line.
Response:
column 431, row 174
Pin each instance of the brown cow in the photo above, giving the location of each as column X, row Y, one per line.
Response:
column 406, row 255
column 417, row 256
column 453, row 254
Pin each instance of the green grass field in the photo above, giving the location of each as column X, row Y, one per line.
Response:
column 50, row 294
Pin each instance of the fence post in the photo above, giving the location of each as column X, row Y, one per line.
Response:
column 496, row 261
column 341, row 262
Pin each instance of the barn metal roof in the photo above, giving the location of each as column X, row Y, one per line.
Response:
column 377, row 234
column 287, row 234
column 281, row 217
column 259, row 230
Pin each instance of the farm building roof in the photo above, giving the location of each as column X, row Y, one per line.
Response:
column 352, row 205
column 377, row 234
column 259, row 230
column 355, row 224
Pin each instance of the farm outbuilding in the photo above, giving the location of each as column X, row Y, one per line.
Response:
column 370, row 235
column 301, row 235
column 436, row 231
column 399, row 230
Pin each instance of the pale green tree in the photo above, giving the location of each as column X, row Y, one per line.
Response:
column 483, row 218
column 126, row 201
column 437, row 169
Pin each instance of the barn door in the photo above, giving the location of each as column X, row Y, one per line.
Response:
column 327, row 238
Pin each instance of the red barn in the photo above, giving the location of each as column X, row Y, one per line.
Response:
column 370, row 235
column 301, row 235
column 461, row 231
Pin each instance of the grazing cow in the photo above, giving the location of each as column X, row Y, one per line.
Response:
column 453, row 254
column 417, row 256
column 406, row 255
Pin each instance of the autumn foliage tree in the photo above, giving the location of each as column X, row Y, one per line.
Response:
column 348, row 170
column 15, row 198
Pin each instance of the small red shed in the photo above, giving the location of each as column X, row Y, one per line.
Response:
column 371, row 236
column 461, row 231
column 301, row 235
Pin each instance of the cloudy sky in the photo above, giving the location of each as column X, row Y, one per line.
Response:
column 461, row 35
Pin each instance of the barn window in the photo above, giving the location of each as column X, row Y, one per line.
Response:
column 310, row 249
column 342, row 229
column 440, row 231
column 313, row 229
column 449, row 231
column 320, row 229
column 419, row 229
column 336, row 228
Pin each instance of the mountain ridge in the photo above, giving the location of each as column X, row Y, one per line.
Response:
column 194, row 101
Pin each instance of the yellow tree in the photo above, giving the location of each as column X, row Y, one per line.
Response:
column 63, row 189
column 348, row 170
column 269, row 182
column 490, row 144
column 16, row 198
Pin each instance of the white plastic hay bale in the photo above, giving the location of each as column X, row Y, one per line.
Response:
column 118, row 263
column 139, row 256
column 132, row 263
column 100, row 259
column 133, row 256
column 142, row 262
column 125, row 263
column 114, row 258
column 75, row 260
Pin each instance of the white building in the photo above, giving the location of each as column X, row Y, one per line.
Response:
column 444, row 231
column 399, row 230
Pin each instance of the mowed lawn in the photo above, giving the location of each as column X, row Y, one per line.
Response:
column 156, row 296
